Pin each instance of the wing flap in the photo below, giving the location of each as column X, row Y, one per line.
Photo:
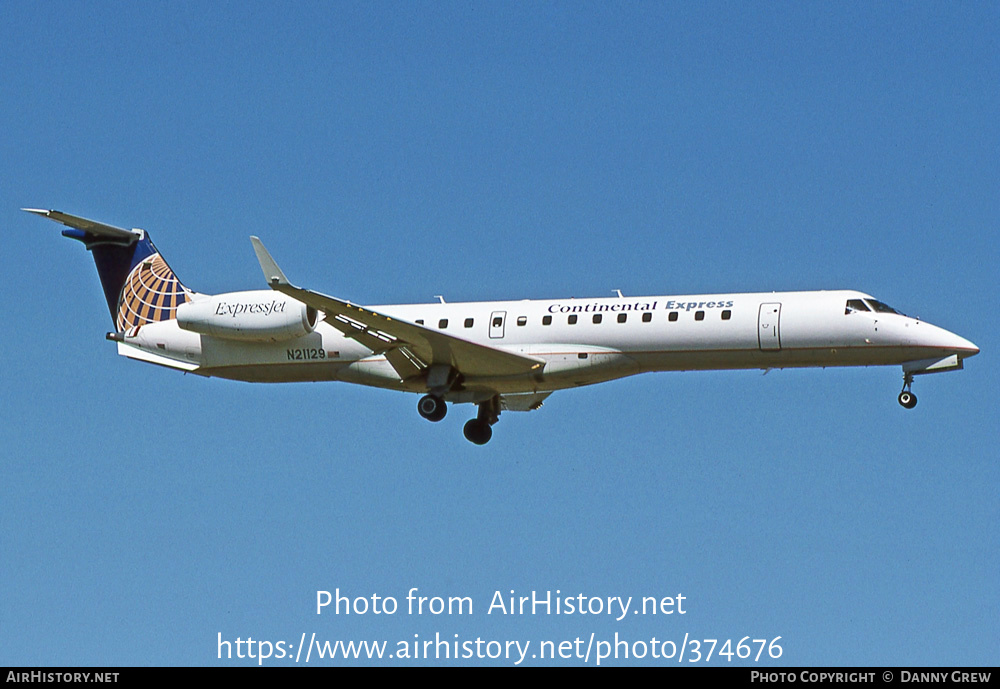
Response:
column 406, row 364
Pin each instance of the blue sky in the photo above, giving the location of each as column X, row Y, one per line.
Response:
column 389, row 152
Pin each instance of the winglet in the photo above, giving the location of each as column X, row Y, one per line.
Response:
column 272, row 273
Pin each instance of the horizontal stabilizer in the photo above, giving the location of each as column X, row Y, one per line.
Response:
column 87, row 231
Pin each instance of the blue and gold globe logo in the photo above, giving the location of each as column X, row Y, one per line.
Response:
column 151, row 293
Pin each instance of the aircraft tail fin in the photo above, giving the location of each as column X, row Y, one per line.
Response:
column 138, row 284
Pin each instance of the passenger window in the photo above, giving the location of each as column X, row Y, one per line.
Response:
column 673, row 316
column 727, row 314
column 498, row 321
column 522, row 320
column 468, row 322
column 647, row 317
column 443, row 323
column 546, row 320
column 622, row 317
column 855, row 305
column 572, row 319
column 699, row 315
column 598, row 317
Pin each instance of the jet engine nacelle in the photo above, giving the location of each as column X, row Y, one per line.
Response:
column 258, row 315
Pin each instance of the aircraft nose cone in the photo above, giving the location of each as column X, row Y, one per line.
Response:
column 938, row 338
column 962, row 347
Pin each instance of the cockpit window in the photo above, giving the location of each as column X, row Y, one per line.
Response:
column 855, row 305
column 882, row 308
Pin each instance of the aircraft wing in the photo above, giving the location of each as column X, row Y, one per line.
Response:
column 409, row 348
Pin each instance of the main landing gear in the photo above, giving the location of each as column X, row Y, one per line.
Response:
column 907, row 398
column 477, row 430
column 432, row 407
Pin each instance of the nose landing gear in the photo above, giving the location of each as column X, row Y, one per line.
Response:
column 907, row 398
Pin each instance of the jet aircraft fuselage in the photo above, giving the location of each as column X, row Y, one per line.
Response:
column 504, row 355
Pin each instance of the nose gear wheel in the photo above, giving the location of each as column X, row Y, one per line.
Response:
column 906, row 397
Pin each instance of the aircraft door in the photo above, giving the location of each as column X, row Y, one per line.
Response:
column 768, row 323
column 496, row 324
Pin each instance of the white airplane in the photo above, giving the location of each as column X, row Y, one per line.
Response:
column 500, row 356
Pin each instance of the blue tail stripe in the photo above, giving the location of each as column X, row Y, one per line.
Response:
column 114, row 263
